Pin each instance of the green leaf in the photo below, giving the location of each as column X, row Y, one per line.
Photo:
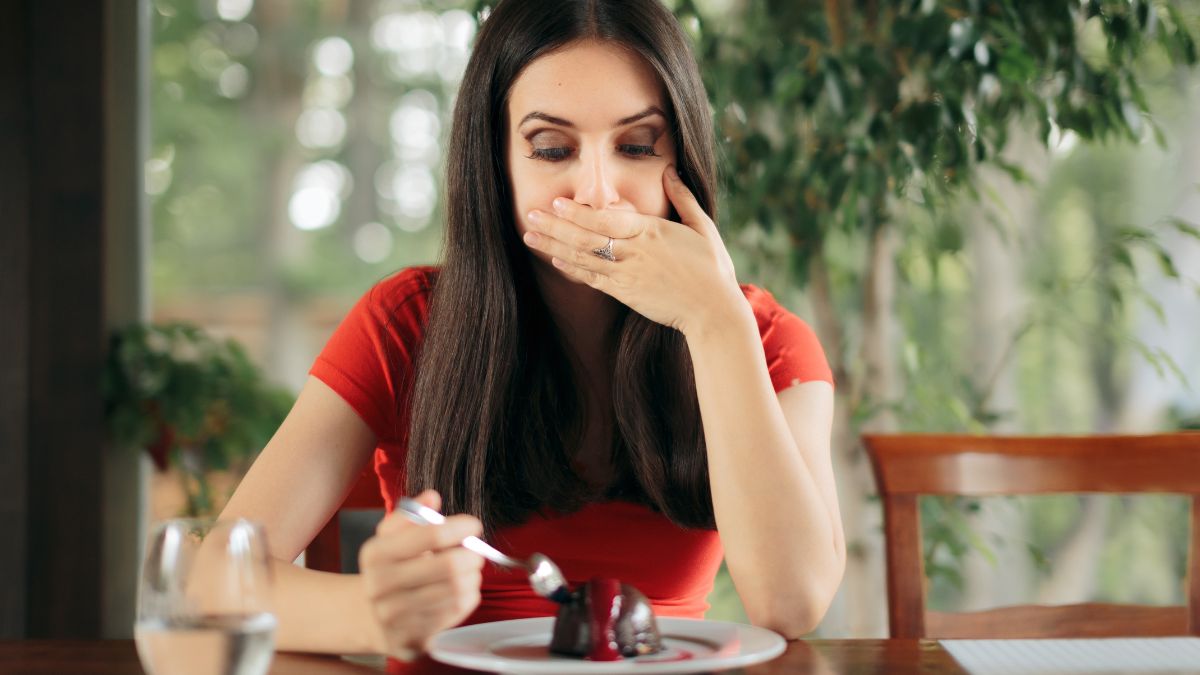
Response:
column 1185, row 227
column 208, row 392
column 1121, row 256
column 1166, row 263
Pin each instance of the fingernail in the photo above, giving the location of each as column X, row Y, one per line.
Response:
column 671, row 172
column 534, row 215
column 530, row 239
column 560, row 204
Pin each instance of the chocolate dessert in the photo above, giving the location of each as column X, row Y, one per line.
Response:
column 605, row 620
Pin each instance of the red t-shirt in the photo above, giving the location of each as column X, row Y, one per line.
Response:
column 673, row 566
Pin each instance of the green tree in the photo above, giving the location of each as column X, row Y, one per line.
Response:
column 837, row 118
column 853, row 135
column 249, row 111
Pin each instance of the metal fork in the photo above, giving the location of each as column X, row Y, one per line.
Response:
column 544, row 576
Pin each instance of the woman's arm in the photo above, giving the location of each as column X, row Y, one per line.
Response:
column 768, row 456
column 415, row 580
column 771, row 475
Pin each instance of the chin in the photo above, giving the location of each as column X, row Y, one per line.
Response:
column 573, row 280
column 546, row 269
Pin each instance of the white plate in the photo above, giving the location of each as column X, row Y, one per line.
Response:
column 521, row 647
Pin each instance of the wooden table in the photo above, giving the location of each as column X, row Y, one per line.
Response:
column 118, row 657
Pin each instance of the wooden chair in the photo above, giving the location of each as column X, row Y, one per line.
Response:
column 324, row 553
column 909, row 465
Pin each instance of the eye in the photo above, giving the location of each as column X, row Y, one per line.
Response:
column 551, row 154
column 637, row 150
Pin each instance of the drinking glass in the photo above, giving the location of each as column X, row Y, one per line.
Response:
column 204, row 599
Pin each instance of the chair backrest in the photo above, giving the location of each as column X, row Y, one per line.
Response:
column 909, row 465
column 324, row 552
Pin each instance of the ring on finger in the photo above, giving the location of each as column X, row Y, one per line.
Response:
column 606, row 252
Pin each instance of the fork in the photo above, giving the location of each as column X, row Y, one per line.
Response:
column 544, row 576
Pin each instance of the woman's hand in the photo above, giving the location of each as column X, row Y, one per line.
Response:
column 679, row 275
column 418, row 579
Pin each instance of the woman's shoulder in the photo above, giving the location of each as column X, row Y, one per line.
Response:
column 763, row 302
column 376, row 340
column 772, row 316
column 403, row 287
column 794, row 354
column 403, row 295
column 398, row 301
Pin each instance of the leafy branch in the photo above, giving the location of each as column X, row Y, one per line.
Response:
column 188, row 399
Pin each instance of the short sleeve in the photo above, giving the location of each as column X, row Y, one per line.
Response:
column 374, row 346
column 793, row 352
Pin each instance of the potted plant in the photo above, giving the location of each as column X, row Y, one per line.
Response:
column 191, row 401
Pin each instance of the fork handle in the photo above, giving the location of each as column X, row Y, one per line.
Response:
column 423, row 515
column 486, row 550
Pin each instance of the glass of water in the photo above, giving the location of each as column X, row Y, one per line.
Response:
column 204, row 602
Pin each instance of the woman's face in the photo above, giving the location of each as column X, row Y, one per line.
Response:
column 588, row 123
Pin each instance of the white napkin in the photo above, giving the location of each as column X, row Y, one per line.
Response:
column 1106, row 655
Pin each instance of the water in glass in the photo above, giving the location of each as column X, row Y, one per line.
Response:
column 203, row 606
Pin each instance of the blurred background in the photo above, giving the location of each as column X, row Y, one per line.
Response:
column 988, row 211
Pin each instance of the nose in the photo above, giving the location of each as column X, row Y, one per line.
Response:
column 595, row 184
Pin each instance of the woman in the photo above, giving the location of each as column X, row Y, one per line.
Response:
column 583, row 376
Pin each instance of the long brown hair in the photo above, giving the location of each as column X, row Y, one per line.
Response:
column 495, row 406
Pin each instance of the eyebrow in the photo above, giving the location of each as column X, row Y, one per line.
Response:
column 536, row 115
